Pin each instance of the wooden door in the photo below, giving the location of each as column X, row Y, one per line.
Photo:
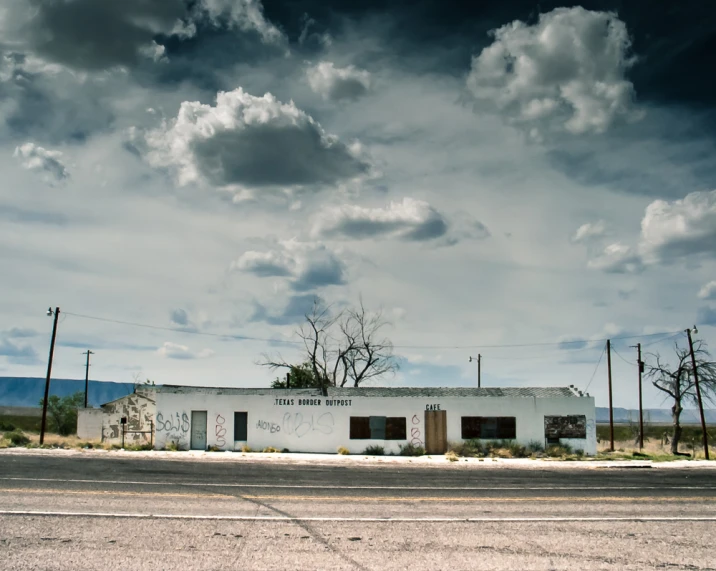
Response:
column 435, row 431
column 198, row 430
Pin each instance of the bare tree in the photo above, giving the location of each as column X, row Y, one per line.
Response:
column 678, row 382
column 341, row 349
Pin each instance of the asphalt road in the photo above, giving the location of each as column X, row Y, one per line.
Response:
column 100, row 512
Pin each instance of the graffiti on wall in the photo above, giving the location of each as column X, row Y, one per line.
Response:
column 173, row 422
column 299, row 424
column 268, row 426
column 220, row 431
column 415, row 437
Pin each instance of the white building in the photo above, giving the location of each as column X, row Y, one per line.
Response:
column 105, row 423
column 305, row 420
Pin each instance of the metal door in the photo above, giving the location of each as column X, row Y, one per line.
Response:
column 198, row 430
column 435, row 431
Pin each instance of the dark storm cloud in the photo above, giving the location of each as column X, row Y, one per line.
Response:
column 294, row 311
column 95, row 35
column 48, row 106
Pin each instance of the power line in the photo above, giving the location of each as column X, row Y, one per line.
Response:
column 604, row 350
column 273, row 340
column 190, row 332
column 622, row 358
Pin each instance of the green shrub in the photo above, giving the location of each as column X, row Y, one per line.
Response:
column 558, row 450
column 535, row 447
column 411, row 450
column 342, row 450
column 17, row 438
column 172, row 446
column 5, row 425
column 374, row 450
column 134, row 447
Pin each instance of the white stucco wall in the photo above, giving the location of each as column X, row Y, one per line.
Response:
column 290, row 422
column 89, row 423
column 139, row 408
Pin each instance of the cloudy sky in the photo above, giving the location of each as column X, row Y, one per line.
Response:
column 519, row 180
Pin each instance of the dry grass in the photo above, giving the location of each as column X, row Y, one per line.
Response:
column 343, row 451
column 451, row 456
column 653, row 450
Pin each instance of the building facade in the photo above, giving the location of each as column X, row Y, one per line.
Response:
column 307, row 420
column 105, row 423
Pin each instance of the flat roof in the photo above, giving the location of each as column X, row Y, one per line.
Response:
column 352, row 392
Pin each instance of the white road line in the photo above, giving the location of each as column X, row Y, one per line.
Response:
column 349, row 519
column 334, row 487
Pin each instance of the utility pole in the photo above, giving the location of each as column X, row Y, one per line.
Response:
column 611, row 408
column 56, row 313
column 698, row 394
column 479, row 359
column 87, row 366
column 288, row 380
column 640, row 364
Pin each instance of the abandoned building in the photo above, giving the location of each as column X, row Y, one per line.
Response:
column 309, row 420
column 106, row 423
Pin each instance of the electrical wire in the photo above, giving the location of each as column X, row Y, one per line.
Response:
column 175, row 330
column 604, row 350
column 287, row 342
column 622, row 358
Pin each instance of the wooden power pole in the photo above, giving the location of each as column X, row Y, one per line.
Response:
column 87, row 366
column 611, row 407
column 43, row 424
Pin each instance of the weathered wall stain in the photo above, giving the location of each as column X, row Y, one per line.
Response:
column 138, row 408
column 568, row 426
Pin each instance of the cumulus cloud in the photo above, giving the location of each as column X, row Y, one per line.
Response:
column 306, row 265
column 246, row 142
column 617, row 259
column 175, row 351
column 336, row 83
column 245, row 15
column 42, row 161
column 589, row 231
column 708, row 291
column 686, row 227
column 90, row 35
column 94, row 36
column 412, row 220
column 568, row 70
column 180, row 319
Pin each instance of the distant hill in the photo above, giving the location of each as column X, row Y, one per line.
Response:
column 28, row 391
column 654, row 415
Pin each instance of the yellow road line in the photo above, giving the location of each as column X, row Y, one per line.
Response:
column 483, row 499
column 111, row 493
column 359, row 499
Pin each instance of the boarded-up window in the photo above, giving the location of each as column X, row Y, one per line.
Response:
column 489, row 427
column 570, row 426
column 360, row 428
column 241, row 421
column 377, row 428
column 395, row 428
